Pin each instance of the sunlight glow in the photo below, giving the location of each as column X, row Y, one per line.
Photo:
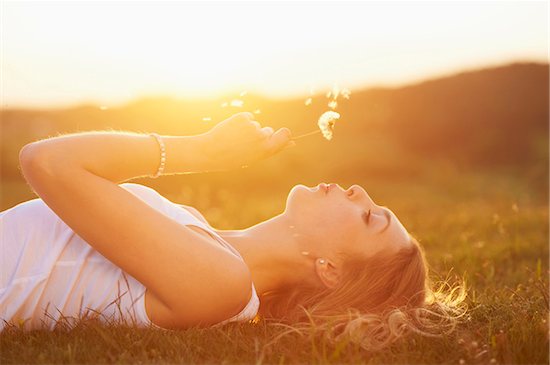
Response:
column 110, row 52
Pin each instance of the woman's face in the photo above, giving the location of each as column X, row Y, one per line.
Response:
column 346, row 221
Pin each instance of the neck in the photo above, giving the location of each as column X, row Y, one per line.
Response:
column 271, row 251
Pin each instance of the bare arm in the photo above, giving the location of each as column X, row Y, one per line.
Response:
column 77, row 175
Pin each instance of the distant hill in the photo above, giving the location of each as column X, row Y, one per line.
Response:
column 489, row 117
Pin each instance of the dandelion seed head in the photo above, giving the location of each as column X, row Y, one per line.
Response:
column 237, row 103
column 326, row 123
column 308, row 101
column 206, row 119
column 333, row 104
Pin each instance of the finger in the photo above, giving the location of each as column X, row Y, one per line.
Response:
column 267, row 131
column 279, row 140
column 239, row 118
column 247, row 116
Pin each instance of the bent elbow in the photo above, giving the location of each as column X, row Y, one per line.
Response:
column 27, row 155
column 32, row 158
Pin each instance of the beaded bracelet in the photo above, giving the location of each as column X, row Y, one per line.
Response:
column 162, row 155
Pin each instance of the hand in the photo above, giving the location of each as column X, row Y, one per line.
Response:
column 240, row 141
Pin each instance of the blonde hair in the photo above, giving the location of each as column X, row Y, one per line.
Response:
column 377, row 301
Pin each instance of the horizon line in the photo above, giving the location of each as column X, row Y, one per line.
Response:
column 274, row 97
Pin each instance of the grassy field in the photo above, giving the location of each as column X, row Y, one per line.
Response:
column 491, row 229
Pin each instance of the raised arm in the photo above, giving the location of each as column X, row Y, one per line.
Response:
column 76, row 176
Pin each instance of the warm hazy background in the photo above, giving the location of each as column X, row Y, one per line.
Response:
column 447, row 125
column 449, row 98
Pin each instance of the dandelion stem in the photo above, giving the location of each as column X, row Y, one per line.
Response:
column 305, row 135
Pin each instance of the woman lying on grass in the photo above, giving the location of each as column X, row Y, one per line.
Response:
column 333, row 260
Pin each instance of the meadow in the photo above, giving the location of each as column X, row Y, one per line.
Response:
column 488, row 229
column 462, row 161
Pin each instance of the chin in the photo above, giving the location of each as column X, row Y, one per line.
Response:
column 301, row 189
column 298, row 194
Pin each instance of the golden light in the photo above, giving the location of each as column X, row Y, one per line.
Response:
column 106, row 52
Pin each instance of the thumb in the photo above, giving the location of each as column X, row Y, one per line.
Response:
column 279, row 140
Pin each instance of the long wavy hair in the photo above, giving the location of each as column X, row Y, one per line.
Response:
column 377, row 301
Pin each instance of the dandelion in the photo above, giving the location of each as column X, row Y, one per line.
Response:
column 237, row 103
column 327, row 119
column 326, row 123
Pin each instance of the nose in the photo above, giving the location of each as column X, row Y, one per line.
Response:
column 361, row 193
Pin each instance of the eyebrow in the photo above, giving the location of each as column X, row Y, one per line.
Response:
column 388, row 218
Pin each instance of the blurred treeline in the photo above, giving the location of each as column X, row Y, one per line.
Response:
column 484, row 120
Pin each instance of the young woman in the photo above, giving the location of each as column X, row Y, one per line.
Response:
column 94, row 246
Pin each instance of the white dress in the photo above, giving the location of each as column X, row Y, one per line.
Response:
column 49, row 272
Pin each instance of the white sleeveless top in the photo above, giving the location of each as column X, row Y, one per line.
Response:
column 48, row 272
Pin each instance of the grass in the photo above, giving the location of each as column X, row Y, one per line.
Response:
column 490, row 229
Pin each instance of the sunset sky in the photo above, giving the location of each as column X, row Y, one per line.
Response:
column 65, row 53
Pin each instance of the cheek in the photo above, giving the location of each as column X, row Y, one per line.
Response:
column 339, row 223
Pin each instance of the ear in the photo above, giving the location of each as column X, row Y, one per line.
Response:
column 327, row 273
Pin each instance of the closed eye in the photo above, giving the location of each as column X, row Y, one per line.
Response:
column 366, row 218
